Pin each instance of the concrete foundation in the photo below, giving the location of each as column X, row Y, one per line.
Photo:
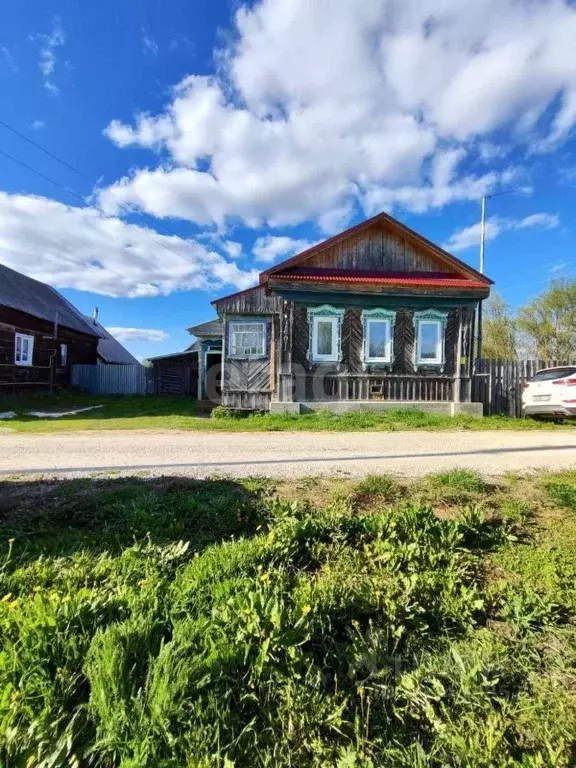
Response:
column 347, row 406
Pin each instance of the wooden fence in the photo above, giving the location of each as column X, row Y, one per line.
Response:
column 498, row 384
column 110, row 379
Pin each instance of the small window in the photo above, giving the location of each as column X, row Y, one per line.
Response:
column 554, row 373
column 23, row 349
column 247, row 339
column 325, row 347
column 63, row 355
column 430, row 342
column 378, row 341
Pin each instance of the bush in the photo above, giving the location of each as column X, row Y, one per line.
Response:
column 223, row 412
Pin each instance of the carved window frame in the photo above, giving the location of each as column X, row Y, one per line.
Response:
column 369, row 316
column 430, row 316
column 335, row 315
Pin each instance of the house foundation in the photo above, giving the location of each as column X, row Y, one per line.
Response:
column 350, row 406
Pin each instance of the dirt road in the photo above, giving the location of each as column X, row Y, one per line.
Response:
column 283, row 454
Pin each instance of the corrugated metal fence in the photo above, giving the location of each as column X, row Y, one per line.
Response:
column 110, row 379
column 498, row 384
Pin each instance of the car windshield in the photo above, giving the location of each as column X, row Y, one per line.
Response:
column 554, row 373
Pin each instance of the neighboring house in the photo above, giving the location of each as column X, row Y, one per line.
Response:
column 196, row 370
column 377, row 313
column 41, row 334
column 110, row 351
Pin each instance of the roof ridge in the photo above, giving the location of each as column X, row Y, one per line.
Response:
column 437, row 251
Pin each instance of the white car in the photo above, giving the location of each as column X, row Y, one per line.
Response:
column 551, row 393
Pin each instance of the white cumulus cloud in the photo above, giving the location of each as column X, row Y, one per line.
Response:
column 138, row 334
column 321, row 107
column 269, row 248
column 73, row 247
column 467, row 237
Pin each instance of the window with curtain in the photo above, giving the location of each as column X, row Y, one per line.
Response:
column 247, row 339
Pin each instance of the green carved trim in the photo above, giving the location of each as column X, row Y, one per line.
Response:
column 431, row 314
column 325, row 310
column 379, row 313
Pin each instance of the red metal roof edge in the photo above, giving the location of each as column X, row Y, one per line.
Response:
column 456, row 282
column 439, row 252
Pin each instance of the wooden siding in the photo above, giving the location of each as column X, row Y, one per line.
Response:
column 247, row 383
column 45, row 372
column 377, row 249
column 287, row 373
column 301, row 379
column 254, row 301
column 176, row 375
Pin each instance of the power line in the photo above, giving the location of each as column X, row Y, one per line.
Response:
column 48, row 152
column 70, row 191
column 42, row 176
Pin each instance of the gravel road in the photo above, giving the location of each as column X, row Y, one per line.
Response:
column 283, row 454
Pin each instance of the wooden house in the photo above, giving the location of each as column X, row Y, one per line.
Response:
column 375, row 316
column 41, row 335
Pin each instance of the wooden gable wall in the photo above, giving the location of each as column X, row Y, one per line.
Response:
column 377, row 249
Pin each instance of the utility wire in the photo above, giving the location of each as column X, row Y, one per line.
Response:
column 141, row 230
column 48, row 152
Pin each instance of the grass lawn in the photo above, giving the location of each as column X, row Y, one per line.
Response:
column 163, row 623
column 149, row 412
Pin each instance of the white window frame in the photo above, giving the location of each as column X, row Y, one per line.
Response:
column 29, row 358
column 63, row 355
column 377, row 315
column 232, row 330
column 334, row 356
column 388, row 356
column 438, row 319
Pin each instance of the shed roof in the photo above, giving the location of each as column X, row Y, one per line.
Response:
column 109, row 348
column 212, row 329
column 186, row 352
column 25, row 294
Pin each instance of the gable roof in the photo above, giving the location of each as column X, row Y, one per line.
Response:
column 211, row 328
column 25, row 294
column 109, row 348
column 439, row 254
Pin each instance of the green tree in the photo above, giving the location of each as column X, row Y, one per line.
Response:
column 498, row 329
column 549, row 320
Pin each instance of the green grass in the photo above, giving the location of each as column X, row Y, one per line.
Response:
column 151, row 412
column 160, row 623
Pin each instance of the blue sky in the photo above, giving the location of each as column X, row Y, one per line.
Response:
column 224, row 136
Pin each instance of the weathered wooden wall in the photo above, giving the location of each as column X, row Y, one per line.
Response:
column 250, row 383
column 287, row 373
column 176, row 375
column 46, row 370
column 253, row 301
column 301, row 379
column 377, row 249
